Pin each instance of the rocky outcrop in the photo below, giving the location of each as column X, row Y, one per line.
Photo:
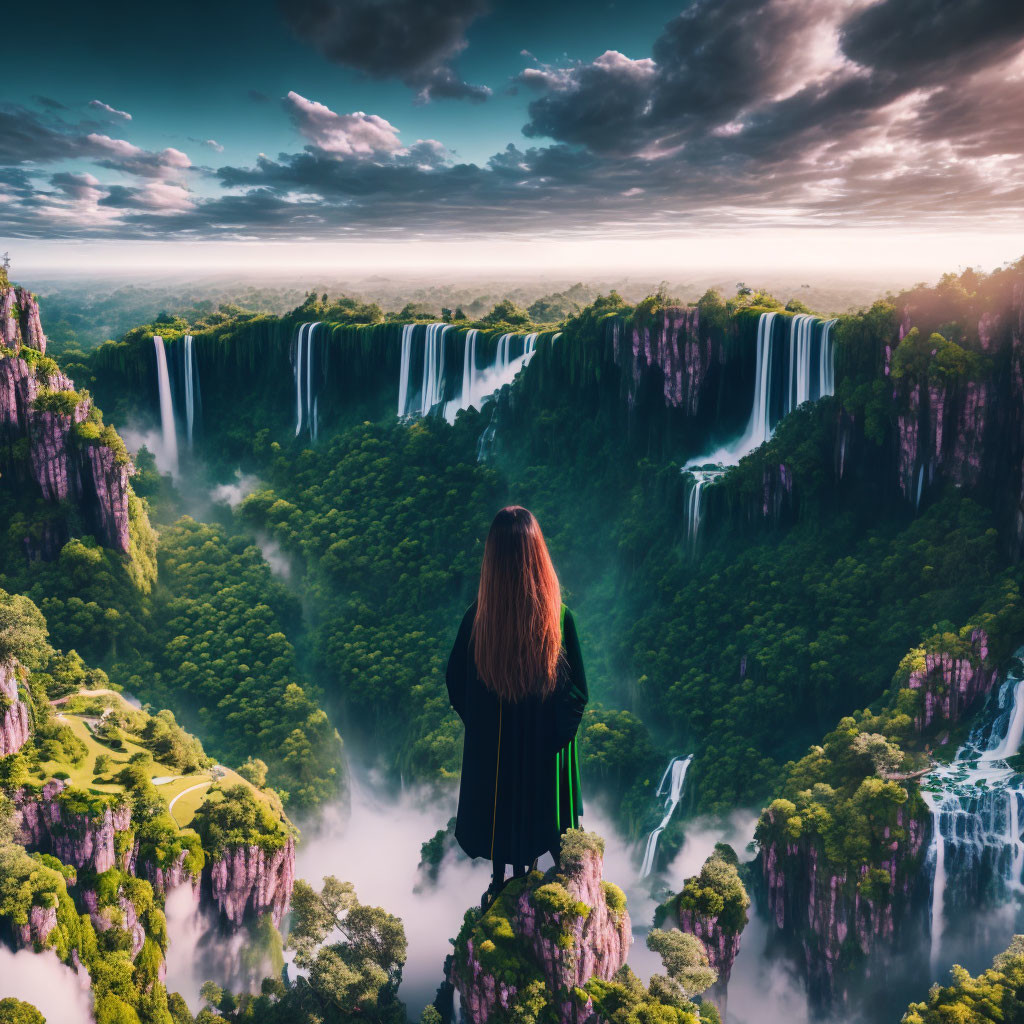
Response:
column 14, row 717
column 951, row 682
column 829, row 916
column 164, row 879
column 550, row 933
column 83, row 839
column 36, row 931
column 122, row 915
column 240, row 881
column 722, row 947
column 713, row 907
column 249, row 879
column 41, row 446
column 19, row 320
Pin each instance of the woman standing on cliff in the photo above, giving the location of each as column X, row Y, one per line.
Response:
column 515, row 677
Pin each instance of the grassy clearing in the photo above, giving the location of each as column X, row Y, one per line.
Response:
column 71, row 712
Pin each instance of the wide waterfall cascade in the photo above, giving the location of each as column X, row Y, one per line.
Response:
column 306, row 381
column 805, row 357
column 429, row 357
column 170, row 439
column 671, row 787
column 977, row 808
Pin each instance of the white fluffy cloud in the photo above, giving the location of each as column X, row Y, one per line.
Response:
column 355, row 135
column 108, row 109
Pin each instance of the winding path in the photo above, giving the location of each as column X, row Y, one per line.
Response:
column 175, row 799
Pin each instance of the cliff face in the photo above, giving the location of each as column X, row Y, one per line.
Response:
column 14, row 717
column 248, row 879
column 240, row 880
column 548, row 935
column 950, row 684
column 672, row 345
column 722, row 946
column 78, row 838
column 826, row 913
column 44, row 441
column 19, row 320
column 967, row 428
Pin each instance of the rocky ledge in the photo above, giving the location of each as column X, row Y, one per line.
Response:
column 545, row 938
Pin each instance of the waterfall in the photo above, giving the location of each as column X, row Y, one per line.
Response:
column 702, row 477
column 675, row 777
column 478, row 384
column 403, row 379
column 306, row 405
column 170, row 440
column 759, row 428
column 432, row 391
column 975, row 803
column 804, row 349
column 190, row 375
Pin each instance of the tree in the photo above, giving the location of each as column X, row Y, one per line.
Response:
column 361, row 974
column 255, row 771
column 506, row 312
column 23, row 632
column 14, row 1011
column 685, row 961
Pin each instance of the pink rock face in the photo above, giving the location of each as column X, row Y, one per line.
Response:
column 72, row 838
column 597, row 948
column 41, row 921
column 14, row 722
column 124, row 917
column 722, row 949
column 170, row 877
column 671, row 342
column 61, row 467
column 947, row 438
column 824, row 909
column 248, row 879
column 988, row 327
column 19, row 320
column 776, row 487
column 950, row 685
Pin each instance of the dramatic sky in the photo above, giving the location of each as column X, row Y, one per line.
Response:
column 885, row 129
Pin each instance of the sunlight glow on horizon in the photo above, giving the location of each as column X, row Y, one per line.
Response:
column 857, row 252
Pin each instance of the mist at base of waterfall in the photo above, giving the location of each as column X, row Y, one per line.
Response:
column 53, row 988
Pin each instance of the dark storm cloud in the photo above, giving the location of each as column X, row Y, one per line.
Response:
column 906, row 36
column 49, row 103
column 412, row 40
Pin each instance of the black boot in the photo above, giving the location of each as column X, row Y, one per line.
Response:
column 497, row 884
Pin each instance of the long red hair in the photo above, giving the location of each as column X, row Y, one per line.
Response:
column 517, row 635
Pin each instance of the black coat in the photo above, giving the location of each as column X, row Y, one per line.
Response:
column 520, row 769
